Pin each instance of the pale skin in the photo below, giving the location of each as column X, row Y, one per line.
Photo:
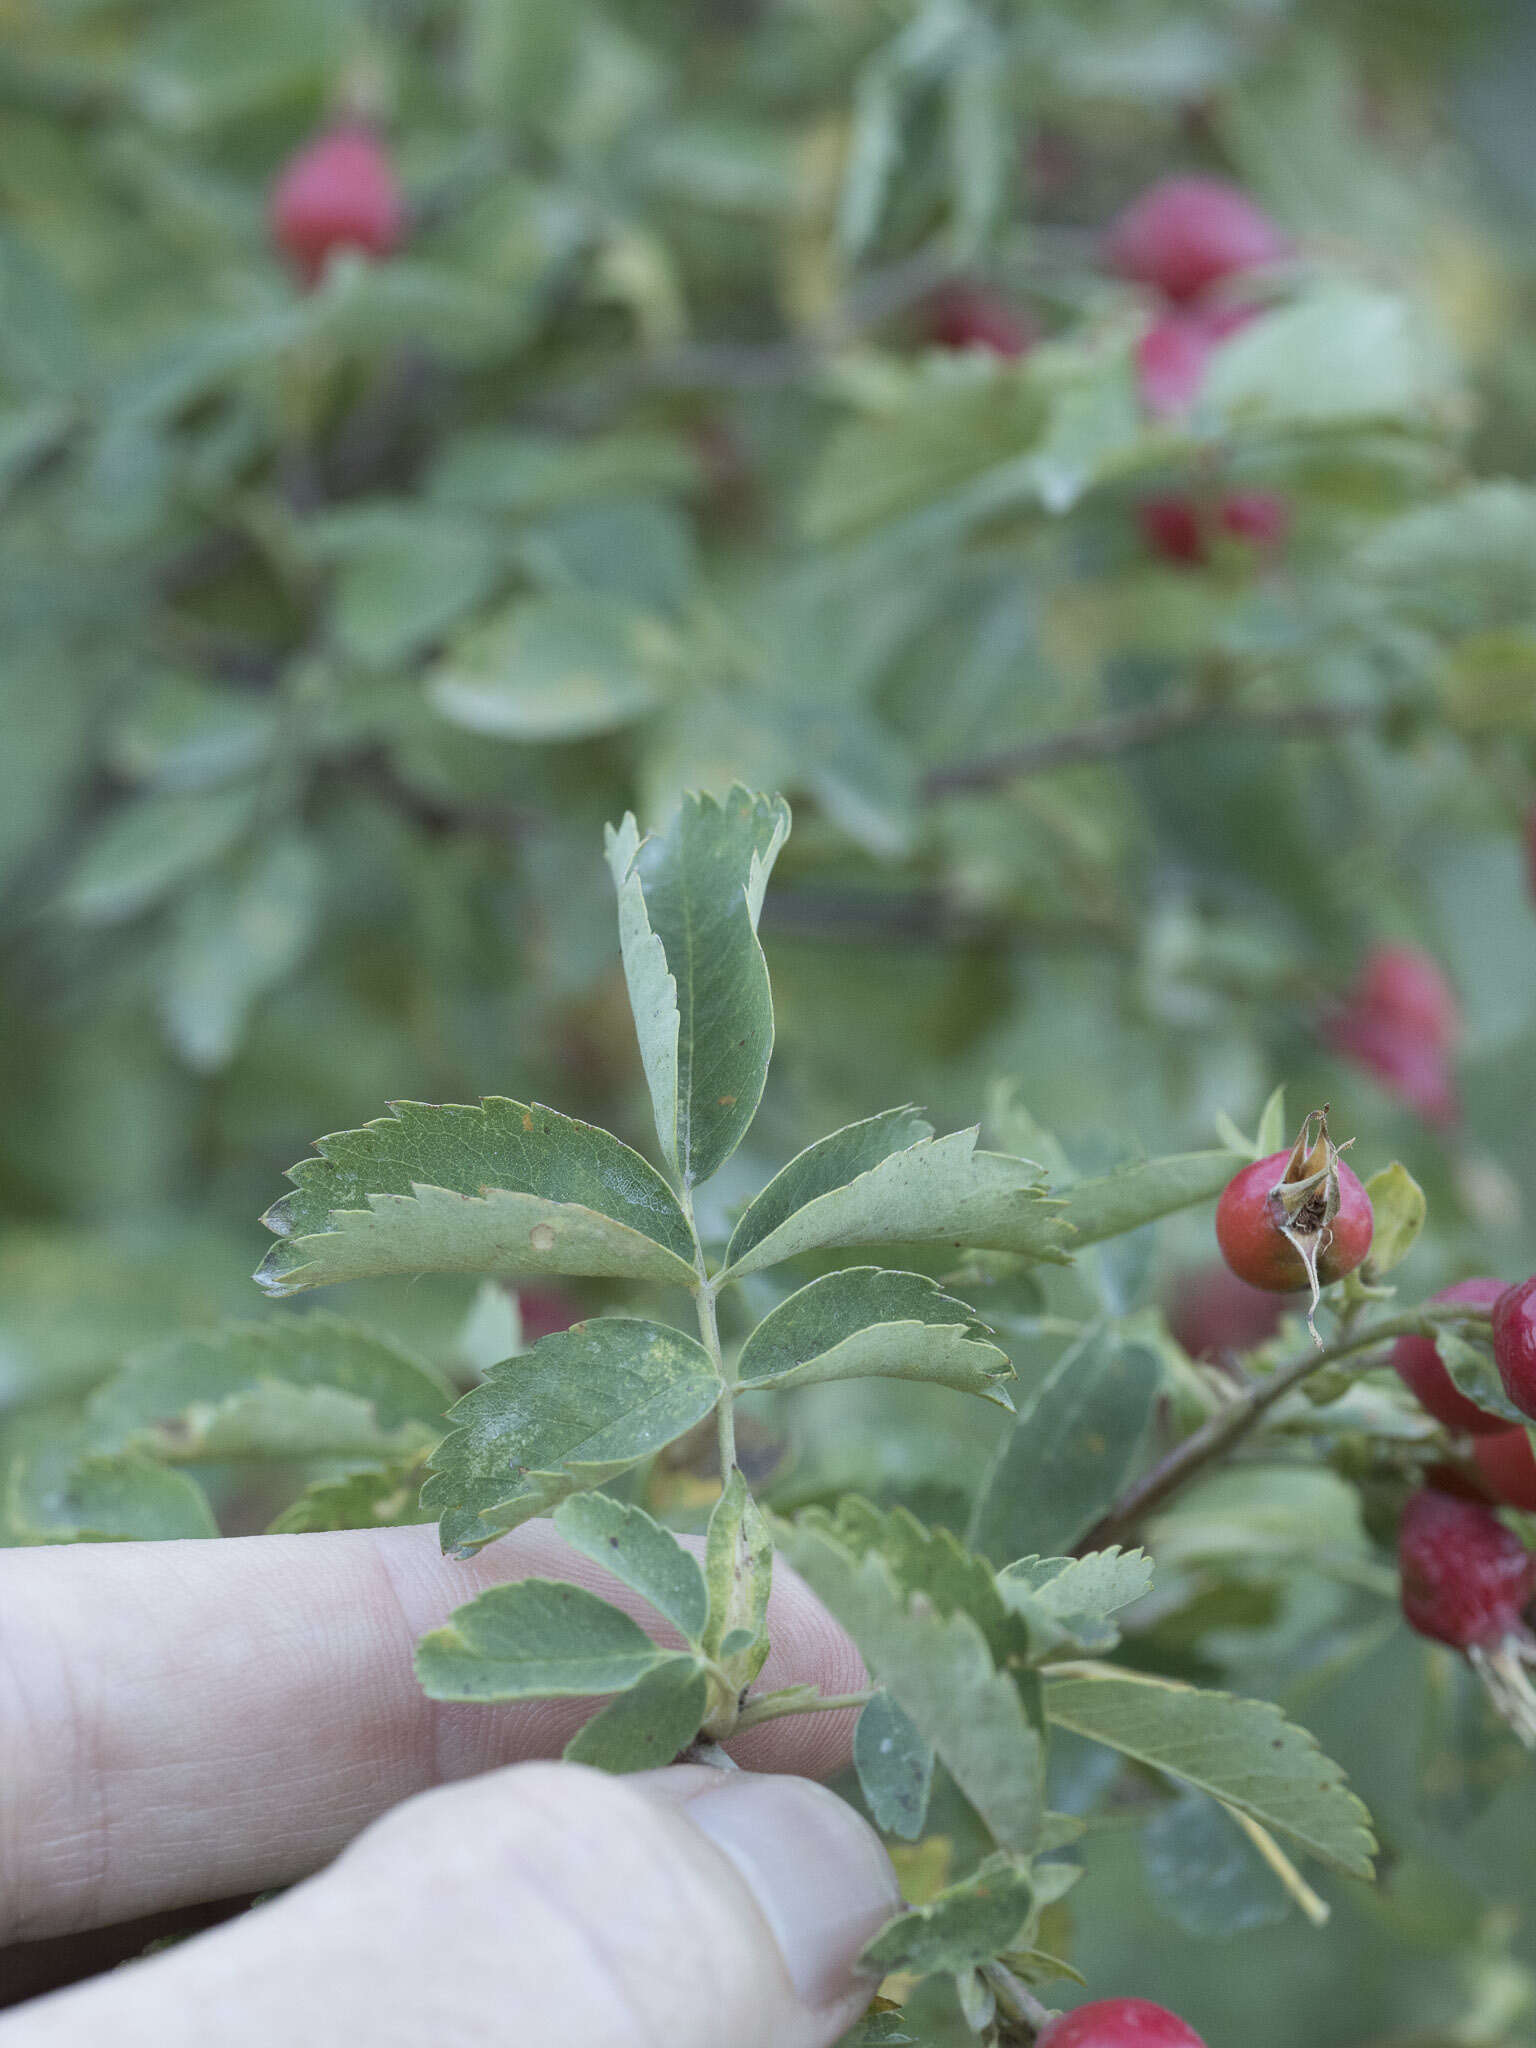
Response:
column 196, row 1721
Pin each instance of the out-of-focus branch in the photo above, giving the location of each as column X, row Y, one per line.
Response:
column 1127, row 732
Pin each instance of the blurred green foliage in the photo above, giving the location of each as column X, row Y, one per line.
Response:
column 333, row 625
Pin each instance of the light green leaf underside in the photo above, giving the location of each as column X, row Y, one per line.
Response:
column 645, row 1727
column 940, row 1670
column 967, row 1923
column 1097, row 1584
column 831, row 1163
column 689, row 900
column 572, row 1413
column 1399, row 1209
column 1243, row 1752
column 1071, row 1449
column 1140, row 1193
column 649, row 1559
column 535, row 1639
column 937, row 1190
column 379, row 1497
column 504, row 1187
column 738, row 1570
column 895, row 1767
column 297, row 1386
column 867, row 1321
column 57, row 1493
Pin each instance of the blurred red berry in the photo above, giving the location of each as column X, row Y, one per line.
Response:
column 969, row 316
column 1508, row 1466
column 339, row 191
column 544, row 1310
column 1400, row 1059
column 1170, row 364
column 1514, row 1344
column 1212, row 1312
column 1185, row 234
column 1408, row 984
column 1172, row 355
column 1467, row 1580
column 1419, row 1366
column 1171, row 527
column 1257, row 516
column 1119, row 2023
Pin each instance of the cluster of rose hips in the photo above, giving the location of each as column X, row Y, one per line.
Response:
column 1302, row 1217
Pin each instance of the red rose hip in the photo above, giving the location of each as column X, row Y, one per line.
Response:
column 1185, row 234
column 1419, row 1366
column 1211, row 1312
column 1508, row 1468
column 1171, row 528
column 1466, row 1582
column 1119, row 2023
column 1261, row 518
column 1407, row 984
column 340, row 191
column 1296, row 1219
column 1514, row 1344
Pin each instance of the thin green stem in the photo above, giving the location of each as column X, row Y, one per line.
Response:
column 1014, row 1998
column 1232, row 1423
column 799, row 1699
column 709, row 1332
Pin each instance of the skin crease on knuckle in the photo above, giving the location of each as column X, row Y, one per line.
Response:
column 546, row 1904
column 262, row 1709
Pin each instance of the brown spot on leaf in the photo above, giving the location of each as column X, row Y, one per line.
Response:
column 542, row 1237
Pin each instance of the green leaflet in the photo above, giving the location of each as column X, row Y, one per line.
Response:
column 869, row 1321
column 572, row 1413
column 1474, row 1373
column 296, row 1386
column 832, row 1162
column 935, row 1190
column 689, row 901
column 738, row 1569
column 554, row 667
column 1144, row 1190
column 967, row 1923
column 508, row 1188
column 895, row 1767
column 379, row 1497
column 1399, row 1207
column 648, row 1558
column 535, row 1639
column 940, row 1670
column 1097, row 1584
column 1243, row 1752
column 1071, row 1449
column 144, row 849
column 56, row 1491
column 649, row 1724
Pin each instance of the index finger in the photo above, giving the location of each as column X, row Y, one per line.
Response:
column 189, row 1721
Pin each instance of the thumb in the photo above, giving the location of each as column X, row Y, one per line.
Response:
column 543, row 1904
